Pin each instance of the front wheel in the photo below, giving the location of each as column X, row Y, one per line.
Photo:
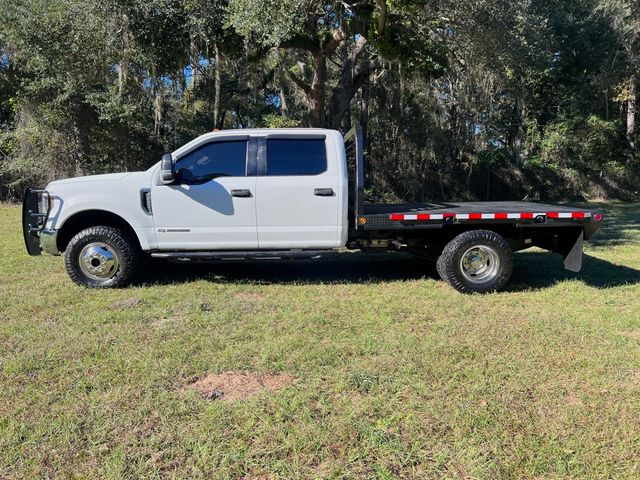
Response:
column 101, row 257
column 478, row 261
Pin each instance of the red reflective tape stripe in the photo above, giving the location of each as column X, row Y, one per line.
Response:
column 397, row 217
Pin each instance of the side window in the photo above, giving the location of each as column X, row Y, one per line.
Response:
column 215, row 159
column 288, row 156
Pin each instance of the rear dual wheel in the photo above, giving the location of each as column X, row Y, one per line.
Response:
column 478, row 261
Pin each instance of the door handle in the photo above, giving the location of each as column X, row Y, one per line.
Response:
column 241, row 193
column 323, row 192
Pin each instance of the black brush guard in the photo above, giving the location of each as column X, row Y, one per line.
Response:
column 33, row 218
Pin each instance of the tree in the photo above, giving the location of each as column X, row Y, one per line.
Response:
column 343, row 33
column 487, row 99
column 625, row 18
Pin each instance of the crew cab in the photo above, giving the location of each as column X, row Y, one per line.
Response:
column 280, row 193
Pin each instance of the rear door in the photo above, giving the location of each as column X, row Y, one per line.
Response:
column 297, row 193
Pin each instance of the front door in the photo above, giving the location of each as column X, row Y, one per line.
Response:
column 212, row 203
column 298, row 194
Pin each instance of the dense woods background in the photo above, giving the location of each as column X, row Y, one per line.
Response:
column 482, row 99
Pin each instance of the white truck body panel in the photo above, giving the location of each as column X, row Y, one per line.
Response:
column 282, row 213
column 114, row 193
column 290, row 215
column 201, row 217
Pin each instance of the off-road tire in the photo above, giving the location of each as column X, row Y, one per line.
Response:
column 125, row 248
column 449, row 263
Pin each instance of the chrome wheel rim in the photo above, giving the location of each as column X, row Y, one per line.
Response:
column 98, row 261
column 480, row 264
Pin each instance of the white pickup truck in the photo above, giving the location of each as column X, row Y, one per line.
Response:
column 279, row 193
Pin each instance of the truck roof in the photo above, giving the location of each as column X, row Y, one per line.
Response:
column 253, row 131
column 266, row 131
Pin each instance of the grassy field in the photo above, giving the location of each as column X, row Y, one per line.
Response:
column 389, row 373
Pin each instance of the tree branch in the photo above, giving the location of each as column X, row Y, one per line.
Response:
column 302, row 42
column 382, row 16
column 334, row 40
column 365, row 67
column 301, row 84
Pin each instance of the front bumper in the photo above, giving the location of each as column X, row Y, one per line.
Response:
column 49, row 241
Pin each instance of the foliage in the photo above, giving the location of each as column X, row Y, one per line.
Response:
column 273, row 120
column 581, row 144
column 443, row 88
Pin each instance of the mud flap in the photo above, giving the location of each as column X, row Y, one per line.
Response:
column 573, row 259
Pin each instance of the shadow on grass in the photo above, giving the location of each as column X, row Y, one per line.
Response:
column 621, row 224
column 531, row 271
column 541, row 270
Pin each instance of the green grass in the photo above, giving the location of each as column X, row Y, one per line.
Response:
column 398, row 375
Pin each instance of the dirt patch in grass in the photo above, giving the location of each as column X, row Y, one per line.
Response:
column 572, row 399
column 127, row 303
column 250, row 296
column 635, row 335
column 239, row 385
column 161, row 322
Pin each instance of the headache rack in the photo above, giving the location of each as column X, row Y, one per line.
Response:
column 353, row 143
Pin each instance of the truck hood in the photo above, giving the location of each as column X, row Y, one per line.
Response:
column 109, row 177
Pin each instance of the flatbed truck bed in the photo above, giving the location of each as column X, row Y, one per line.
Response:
column 438, row 215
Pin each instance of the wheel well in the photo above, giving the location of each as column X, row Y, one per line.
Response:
column 91, row 218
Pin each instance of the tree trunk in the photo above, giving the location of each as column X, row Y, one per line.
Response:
column 315, row 97
column 124, row 60
column 352, row 77
column 80, row 135
column 284, row 107
column 218, row 88
column 401, row 90
column 631, row 112
column 518, row 144
column 157, row 107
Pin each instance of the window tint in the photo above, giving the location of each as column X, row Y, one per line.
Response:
column 287, row 156
column 216, row 159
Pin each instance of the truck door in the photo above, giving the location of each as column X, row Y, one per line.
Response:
column 212, row 203
column 297, row 192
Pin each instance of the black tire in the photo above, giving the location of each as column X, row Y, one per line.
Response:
column 106, row 242
column 493, row 257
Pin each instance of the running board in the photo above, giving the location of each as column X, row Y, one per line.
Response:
column 187, row 257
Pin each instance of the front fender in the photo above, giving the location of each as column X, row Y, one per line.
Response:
column 65, row 204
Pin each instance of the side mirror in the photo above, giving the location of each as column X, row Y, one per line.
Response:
column 168, row 171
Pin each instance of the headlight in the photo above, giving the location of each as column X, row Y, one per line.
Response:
column 43, row 202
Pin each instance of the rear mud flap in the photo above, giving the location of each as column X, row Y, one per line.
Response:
column 573, row 259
